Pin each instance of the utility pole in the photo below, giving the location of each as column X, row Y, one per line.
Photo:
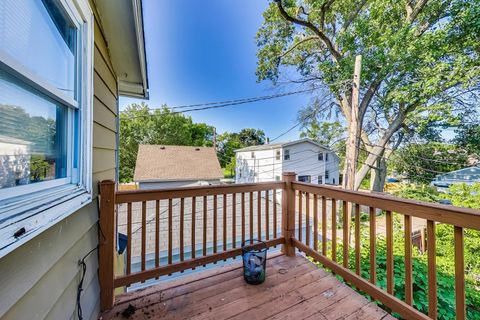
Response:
column 215, row 138
column 354, row 129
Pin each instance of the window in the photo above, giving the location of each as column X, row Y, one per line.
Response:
column 327, row 173
column 277, row 178
column 252, row 155
column 277, row 155
column 326, row 156
column 320, row 156
column 45, row 112
column 320, row 179
column 286, row 155
column 304, row 179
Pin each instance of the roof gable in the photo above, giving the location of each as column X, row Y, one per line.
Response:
column 167, row 163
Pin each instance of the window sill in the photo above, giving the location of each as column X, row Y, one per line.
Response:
column 36, row 213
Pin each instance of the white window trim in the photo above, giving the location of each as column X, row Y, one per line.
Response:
column 49, row 202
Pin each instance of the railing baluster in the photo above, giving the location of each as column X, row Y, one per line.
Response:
column 267, row 215
column 170, row 231
column 334, row 230
column 315, row 222
column 251, row 217
column 389, row 231
column 182, row 223
column 307, row 219
column 157, row 234
column 274, row 213
column 204, row 244
column 357, row 239
column 432, row 270
column 243, row 217
column 215, row 224
column 300, row 224
column 459, row 274
column 408, row 260
column 234, row 220
column 194, row 208
column 346, row 233
column 144, row 234
column 129, row 237
column 373, row 250
column 225, row 222
column 324, row 226
column 259, row 215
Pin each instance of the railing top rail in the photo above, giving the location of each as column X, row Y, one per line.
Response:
column 460, row 217
column 197, row 191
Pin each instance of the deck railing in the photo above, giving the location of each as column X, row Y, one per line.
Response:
column 222, row 217
column 174, row 230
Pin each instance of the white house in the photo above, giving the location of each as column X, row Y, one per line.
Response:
column 176, row 166
column 468, row 175
column 311, row 161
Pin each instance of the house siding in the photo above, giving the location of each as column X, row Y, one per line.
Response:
column 39, row 279
column 303, row 161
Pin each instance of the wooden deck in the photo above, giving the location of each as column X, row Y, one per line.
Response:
column 294, row 289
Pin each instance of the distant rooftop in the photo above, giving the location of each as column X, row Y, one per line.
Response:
column 164, row 163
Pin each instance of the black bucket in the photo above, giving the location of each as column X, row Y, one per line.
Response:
column 254, row 262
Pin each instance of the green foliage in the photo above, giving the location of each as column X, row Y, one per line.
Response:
column 445, row 269
column 330, row 134
column 140, row 125
column 468, row 137
column 421, row 163
column 39, row 168
column 419, row 64
column 228, row 142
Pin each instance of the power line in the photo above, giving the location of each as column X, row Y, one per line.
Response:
column 216, row 105
column 267, row 97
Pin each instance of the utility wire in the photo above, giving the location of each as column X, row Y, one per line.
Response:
column 216, row 105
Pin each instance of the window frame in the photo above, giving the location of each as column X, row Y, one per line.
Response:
column 307, row 180
column 326, row 156
column 37, row 206
column 278, row 154
column 320, row 156
column 286, row 155
column 327, row 174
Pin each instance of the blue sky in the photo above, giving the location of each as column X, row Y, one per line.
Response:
column 205, row 51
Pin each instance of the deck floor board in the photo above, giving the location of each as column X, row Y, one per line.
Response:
column 294, row 289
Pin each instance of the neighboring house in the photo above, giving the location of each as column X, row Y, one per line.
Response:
column 311, row 161
column 14, row 162
column 63, row 65
column 176, row 166
column 468, row 175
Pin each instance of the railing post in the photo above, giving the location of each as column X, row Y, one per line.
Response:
column 288, row 213
column 107, row 245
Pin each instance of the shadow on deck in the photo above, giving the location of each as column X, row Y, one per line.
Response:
column 295, row 288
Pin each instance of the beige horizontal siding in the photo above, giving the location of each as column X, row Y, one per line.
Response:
column 39, row 279
column 23, row 268
column 104, row 138
column 55, row 280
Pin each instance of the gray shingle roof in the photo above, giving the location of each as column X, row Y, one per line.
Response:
column 162, row 163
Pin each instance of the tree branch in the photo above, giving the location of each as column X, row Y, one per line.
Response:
column 296, row 45
column 412, row 12
column 353, row 16
column 328, row 43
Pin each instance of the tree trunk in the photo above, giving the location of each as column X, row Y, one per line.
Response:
column 378, row 175
column 355, row 128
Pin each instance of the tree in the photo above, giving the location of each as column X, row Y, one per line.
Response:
column 419, row 61
column 468, row 138
column 421, row 163
column 140, row 125
column 228, row 142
